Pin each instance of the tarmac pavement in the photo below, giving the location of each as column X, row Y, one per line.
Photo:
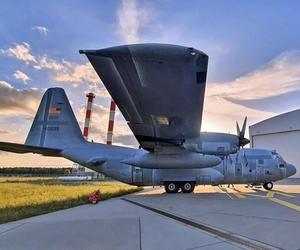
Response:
column 211, row 218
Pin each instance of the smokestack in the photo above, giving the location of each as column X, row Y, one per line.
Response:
column 111, row 122
column 90, row 97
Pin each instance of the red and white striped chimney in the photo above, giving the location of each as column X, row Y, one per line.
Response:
column 111, row 122
column 90, row 97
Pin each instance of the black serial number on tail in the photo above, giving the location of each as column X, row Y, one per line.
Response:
column 52, row 128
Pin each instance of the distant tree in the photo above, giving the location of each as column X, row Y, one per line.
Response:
column 39, row 171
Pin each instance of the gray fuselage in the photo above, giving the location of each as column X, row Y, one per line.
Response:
column 248, row 166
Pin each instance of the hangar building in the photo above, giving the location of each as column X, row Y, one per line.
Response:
column 282, row 133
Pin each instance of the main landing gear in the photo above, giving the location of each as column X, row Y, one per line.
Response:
column 173, row 187
column 268, row 185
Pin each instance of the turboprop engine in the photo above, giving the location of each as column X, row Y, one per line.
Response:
column 213, row 144
column 218, row 143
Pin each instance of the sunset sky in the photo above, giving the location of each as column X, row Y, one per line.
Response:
column 253, row 48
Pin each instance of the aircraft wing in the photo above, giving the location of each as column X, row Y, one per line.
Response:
column 159, row 89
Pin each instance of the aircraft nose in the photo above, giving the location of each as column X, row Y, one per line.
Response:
column 290, row 170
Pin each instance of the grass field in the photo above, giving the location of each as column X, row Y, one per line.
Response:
column 25, row 197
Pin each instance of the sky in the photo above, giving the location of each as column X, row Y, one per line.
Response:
column 253, row 48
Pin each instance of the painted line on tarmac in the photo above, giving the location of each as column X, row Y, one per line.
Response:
column 140, row 233
column 239, row 194
column 285, row 203
column 242, row 241
column 277, row 192
column 223, row 190
column 270, row 196
column 255, row 195
column 283, row 194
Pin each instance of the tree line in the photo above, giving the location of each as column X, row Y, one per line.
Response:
column 39, row 171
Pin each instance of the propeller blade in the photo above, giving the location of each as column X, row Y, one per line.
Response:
column 241, row 133
column 238, row 131
column 244, row 127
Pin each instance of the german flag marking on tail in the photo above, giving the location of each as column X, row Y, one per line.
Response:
column 54, row 111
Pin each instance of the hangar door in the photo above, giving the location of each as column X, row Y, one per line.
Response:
column 286, row 144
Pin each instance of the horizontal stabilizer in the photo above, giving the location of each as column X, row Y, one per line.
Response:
column 22, row 148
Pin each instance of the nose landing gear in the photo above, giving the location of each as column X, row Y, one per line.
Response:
column 268, row 185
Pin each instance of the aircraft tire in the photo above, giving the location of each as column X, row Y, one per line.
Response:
column 171, row 187
column 268, row 185
column 187, row 187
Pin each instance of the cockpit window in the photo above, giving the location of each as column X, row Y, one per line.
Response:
column 279, row 158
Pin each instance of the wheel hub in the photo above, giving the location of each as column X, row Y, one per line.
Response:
column 187, row 186
column 172, row 186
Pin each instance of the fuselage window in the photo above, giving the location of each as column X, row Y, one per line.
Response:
column 268, row 172
column 260, row 162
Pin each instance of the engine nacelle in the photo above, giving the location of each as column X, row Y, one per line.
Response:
column 213, row 144
column 183, row 160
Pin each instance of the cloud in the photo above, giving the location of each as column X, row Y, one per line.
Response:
column 62, row 71
column 278, row 77
column 77, row 73
column 20, row 52
column 122, row 135
column 44, row 62
column 98, row 122
column 19, row 75
column 131, row 18
column 16, row 102
column 41, row 29
column 127, row 140
column 83, row 75
column 66, row 71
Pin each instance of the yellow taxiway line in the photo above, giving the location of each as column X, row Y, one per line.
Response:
column 270, row 196
column 239, row 194
column 285, row 203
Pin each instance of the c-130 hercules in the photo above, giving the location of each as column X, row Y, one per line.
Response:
column 159, row 89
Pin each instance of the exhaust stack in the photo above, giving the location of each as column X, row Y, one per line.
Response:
column 90, row 97
column 111, row 122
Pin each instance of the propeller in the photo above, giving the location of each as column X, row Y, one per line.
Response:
column 241, row 134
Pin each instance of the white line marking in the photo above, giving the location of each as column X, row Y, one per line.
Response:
column 225, row 192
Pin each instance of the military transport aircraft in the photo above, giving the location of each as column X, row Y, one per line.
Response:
column 159, row 89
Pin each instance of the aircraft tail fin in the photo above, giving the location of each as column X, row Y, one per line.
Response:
column 54, row 125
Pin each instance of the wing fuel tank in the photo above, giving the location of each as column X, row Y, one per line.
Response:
column 172, row 161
